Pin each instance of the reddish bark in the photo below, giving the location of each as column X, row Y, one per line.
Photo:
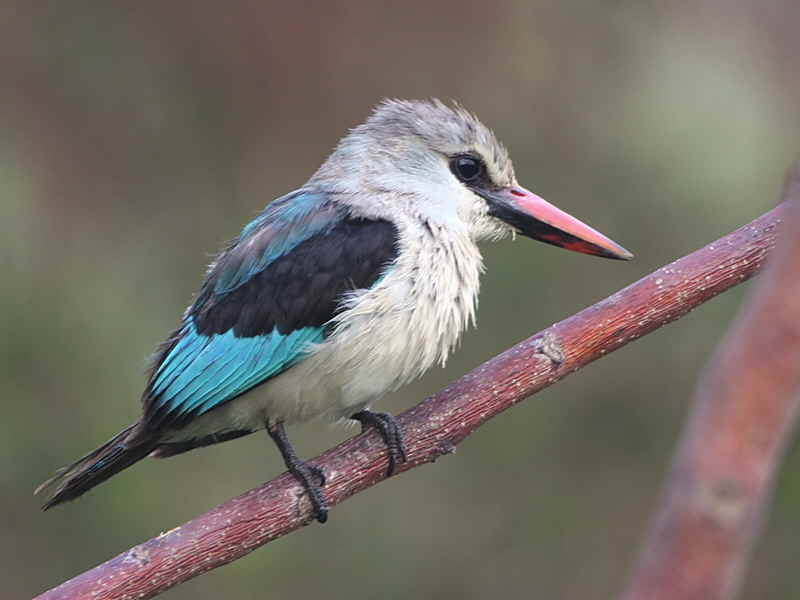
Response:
column 434, row 427
column 745, row 405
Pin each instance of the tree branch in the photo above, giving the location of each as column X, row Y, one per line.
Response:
column 717, row 491
column 434, row 427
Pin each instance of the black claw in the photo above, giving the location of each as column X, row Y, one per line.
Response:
column 304, row 472
column 317, row 472
column 387, row 426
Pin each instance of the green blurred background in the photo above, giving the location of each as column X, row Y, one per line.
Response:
column 138, row 137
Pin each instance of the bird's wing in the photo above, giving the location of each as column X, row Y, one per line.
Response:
column 267, row 297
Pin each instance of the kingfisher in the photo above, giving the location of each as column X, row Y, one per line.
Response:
column 337, row 293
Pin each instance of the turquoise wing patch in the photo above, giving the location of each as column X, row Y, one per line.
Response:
column 201, row 372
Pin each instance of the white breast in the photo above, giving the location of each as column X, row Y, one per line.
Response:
column 388, row 335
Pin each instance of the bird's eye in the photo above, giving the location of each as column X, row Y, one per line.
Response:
column 466, row 168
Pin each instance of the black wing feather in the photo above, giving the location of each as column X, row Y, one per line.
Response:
column 303, row 287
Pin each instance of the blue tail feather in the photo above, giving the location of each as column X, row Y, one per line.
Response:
column 118, row 453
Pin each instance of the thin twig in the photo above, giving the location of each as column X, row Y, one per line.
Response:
column 434, row 427
column 716, row 495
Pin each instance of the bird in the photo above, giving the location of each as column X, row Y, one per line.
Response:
column 337, row 293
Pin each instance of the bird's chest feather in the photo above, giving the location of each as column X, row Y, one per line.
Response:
column 389, row 334
column 385, row 337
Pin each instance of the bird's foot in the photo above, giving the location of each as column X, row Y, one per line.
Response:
column 305, row 473
column 387, row 426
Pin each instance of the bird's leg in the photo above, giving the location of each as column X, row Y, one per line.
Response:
column 387, row 426
column 304, row 472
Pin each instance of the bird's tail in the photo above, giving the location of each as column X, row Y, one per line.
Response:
column 118, row 453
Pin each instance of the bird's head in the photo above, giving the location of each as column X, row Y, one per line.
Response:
column 430, row 161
